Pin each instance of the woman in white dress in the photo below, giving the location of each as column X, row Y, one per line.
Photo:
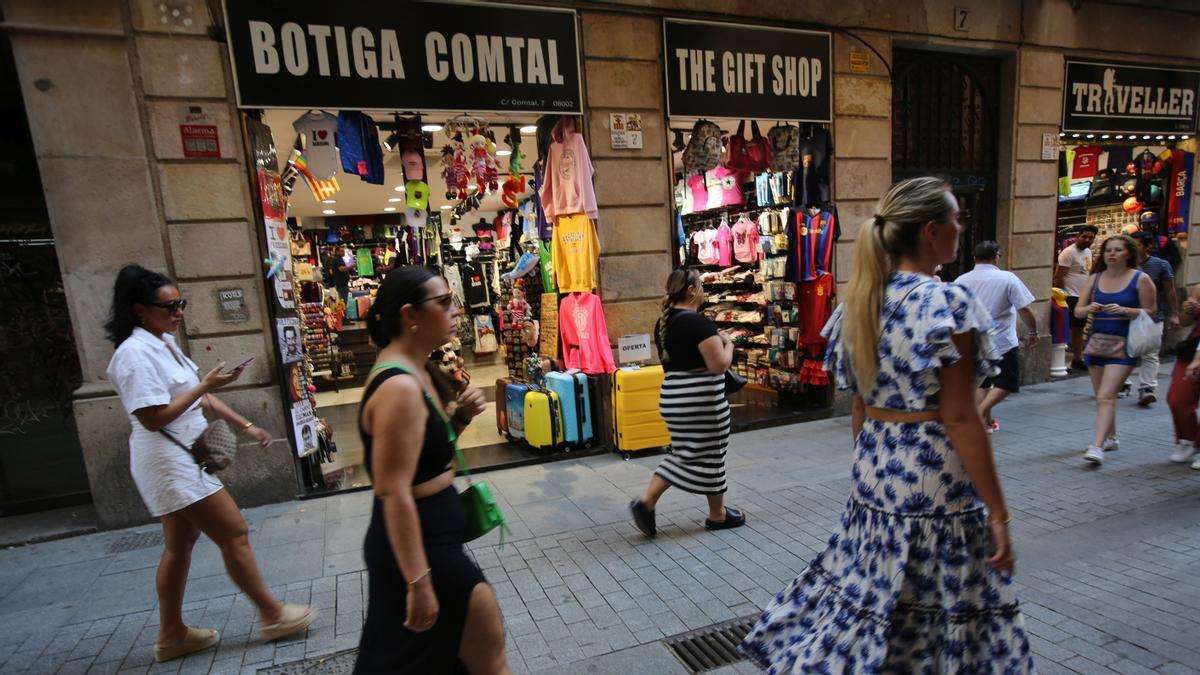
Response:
column 163, row 393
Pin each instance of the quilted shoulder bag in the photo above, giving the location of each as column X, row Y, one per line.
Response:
column 216, row 447
column 479, row 505
column 703, row 151
column 751, row 156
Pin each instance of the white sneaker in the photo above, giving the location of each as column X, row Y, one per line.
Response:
column 1094, row 455
column 1111, row 444
column 1196, row 464
column 1183, row 453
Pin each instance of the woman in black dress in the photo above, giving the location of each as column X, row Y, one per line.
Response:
column 429, row 610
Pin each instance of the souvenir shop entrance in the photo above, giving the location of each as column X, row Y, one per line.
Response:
column 355, row 183
column 1127, row 171
column 754, row 209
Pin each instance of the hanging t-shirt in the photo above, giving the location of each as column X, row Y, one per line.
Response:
column 547, row 264
column 723, row 243
column 358, row 145
column 1087, row 162
column 485, row 334
column 575, row 254
column 1119, row 157
column 454, row 281
column 745, row 241
column 811, row 239
column 320, row 132
column 365, row 262
column 584, row 332
column 567, row 186
column 474, row 285
column 1064, row 176
column 728, row 186
column 706, row 250
column 698, row 188
column 812, row 178
column 813, row 297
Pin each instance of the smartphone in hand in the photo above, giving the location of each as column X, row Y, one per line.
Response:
column 241, row 366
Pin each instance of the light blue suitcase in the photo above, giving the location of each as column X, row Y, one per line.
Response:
column 572, row 390
column 514, row 399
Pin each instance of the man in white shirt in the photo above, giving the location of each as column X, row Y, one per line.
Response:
column 1070, row 274
column 1004, row 296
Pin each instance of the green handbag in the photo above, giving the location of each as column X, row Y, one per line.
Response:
column 479, row 506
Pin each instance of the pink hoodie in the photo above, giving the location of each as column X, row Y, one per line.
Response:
column 584, row 334
column 567, row 187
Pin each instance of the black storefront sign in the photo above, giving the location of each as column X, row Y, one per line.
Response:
column 403, row 56
column 1129, row 98
column 727, row 70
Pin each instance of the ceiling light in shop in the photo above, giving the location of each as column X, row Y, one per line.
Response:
column 1158, row 137
column 389, row 209
column 1120, row 136
column 1171, row 137
column 1062, row 134
column 329, row 212
column 1091, row 135
column 1184, row 137
column 328, row 201
column 395, row 199
column 445, row 207
column 503, row 153
column 1104, row 136
column 529, row 129
column 1145, row 138
column 391, row 142
column 431, row 127
column 1074, row 135
column 399, row 188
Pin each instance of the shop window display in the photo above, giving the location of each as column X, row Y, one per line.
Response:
column 754, row 213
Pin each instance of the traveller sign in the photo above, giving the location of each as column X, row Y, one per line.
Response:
column 743, row 72
column 1129, row 98
column 403, row 56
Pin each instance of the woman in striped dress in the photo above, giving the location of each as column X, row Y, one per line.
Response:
column 695, row 357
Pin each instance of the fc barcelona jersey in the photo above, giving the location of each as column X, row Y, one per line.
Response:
column 810, row 245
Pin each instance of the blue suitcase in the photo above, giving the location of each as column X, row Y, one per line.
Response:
column 514, row 399
column 572, row 390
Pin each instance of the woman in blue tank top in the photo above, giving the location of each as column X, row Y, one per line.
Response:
column 1114, row 294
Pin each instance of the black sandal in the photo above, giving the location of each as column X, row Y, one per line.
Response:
column 733, row 518
column 643, row 518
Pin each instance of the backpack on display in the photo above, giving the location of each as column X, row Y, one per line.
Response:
column 785, row 148
column 703, row 151
column 1104, row 185
column 752, row 156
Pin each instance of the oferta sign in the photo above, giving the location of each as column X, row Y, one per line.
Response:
column 403, row 56
column 1103, row 97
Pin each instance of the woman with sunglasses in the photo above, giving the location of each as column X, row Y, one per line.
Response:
column 166, row 398
column 429, row 609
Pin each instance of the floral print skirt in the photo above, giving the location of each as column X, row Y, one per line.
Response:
column 903, row 586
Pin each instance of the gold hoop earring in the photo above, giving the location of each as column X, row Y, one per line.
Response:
column 414, row 328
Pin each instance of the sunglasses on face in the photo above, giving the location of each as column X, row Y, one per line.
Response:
column 446, row 300
column 172, row 306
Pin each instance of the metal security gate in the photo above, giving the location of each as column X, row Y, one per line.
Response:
column 944, row 122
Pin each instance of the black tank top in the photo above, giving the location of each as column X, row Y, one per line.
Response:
column 438, row 449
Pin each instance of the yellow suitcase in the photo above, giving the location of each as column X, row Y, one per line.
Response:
column 543, row 420
column 637, row 423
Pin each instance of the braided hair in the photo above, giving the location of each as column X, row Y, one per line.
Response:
column 678, row 283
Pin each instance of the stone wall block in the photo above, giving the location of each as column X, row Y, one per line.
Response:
column 1042, row 68
column 626, row 181
column 862, row 138
column 624, row 318
column 167, row 116
column 654, row 137
column 181, row 67
column 621, row 37
column 259, row 476
column 624, row 85
column 1029, row 141
column 853, row 213
column 637, row 228
column 79, row 97
column 203, row 191
column 634, row 276
column 1036, row 179
column 179, row 16
column 844, row 262
column 203, row 310
column 207, row 352
column 1038, row 281
column 1034, row 214
column 1039, row 106
column 843, row 45
column 861, row 178
column 93, row 14
column 212, row 249
column 1031, row 251
column 864, row 96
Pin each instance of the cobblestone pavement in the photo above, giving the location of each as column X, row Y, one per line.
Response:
column 1108, row 558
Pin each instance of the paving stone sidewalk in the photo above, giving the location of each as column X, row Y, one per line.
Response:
column 1108, row 558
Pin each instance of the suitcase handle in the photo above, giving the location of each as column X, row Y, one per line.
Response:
column 582, row 411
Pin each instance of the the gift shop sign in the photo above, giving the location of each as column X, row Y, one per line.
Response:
column 1127, row 98
column 403, row 56
column 727, row 70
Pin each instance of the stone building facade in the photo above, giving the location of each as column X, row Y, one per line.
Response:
column 104, row 83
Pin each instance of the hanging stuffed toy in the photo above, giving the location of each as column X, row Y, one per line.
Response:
column 461, row 171
column 448, row 175
column 514, row 187
column 482, row 162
